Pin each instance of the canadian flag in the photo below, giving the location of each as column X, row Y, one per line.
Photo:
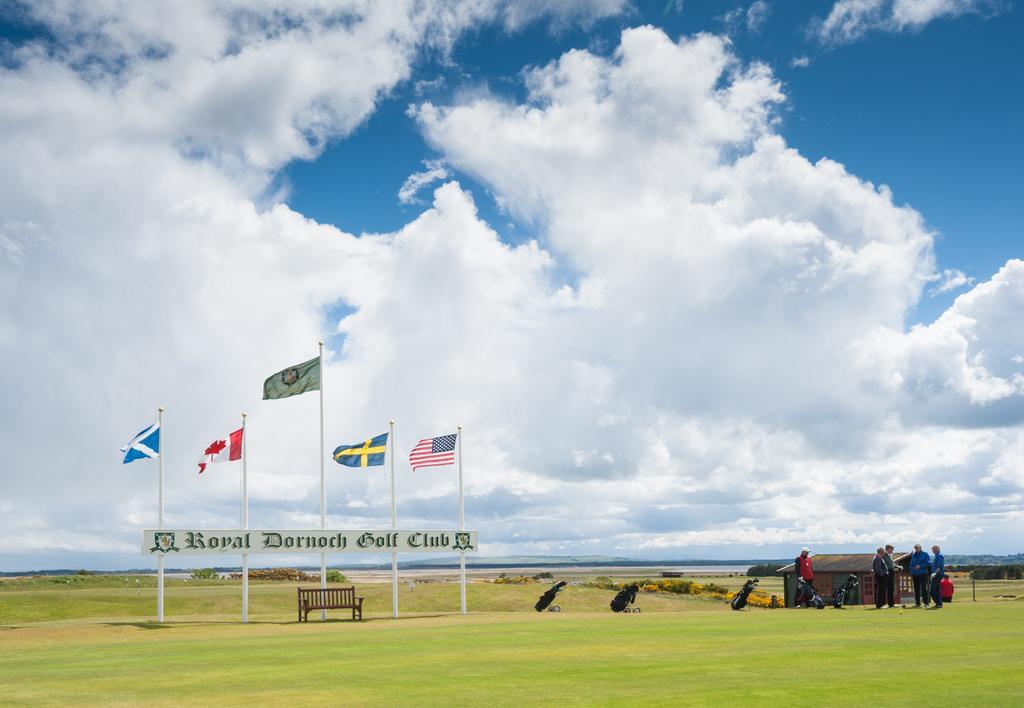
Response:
column 226, row 449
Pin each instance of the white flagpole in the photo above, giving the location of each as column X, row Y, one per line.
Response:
column 394, row 523
column 245, row 524
column 462, row 527
column 160, row 560
column 323, row 481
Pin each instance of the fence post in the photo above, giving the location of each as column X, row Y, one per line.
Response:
column 974, row 591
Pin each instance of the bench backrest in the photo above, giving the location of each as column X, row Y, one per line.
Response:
column 328, row 596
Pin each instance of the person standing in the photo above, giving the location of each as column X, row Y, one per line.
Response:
column 938, row 573
column 946, row 590
column 880, row 569
column 803, row 569
column 890, row 577
column 920, row 568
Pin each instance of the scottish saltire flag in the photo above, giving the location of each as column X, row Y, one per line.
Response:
column 433, row 452
column 144, row 445
column 369, row 453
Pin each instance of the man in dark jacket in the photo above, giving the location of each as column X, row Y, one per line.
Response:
column 938, row 572
column 920, row 568
column 890, row 578
column 880, row 570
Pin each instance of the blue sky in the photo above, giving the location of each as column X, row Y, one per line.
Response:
column 650, row 266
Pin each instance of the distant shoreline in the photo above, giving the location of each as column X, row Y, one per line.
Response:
column 539, row 563
column 513, row 567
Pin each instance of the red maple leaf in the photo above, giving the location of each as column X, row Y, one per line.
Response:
column 215, row 447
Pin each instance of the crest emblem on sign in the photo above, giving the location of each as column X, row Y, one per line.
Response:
column 164, row 542
column 289, row 376
column 462, row 542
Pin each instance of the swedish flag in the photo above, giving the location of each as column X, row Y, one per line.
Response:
column 365, row 454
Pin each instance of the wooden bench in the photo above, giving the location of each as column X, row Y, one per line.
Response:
column 329, row 599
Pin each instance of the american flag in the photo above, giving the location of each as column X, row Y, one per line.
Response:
column 433, row 452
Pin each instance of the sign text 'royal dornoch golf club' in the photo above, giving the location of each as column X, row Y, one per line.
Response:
column 163, row 542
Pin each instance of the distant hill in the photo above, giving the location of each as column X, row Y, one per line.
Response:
column 570, row 561
column 984, row 559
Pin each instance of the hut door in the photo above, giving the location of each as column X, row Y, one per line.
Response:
column 867, row 589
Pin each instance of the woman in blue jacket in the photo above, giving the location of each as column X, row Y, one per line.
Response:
column 920, row 564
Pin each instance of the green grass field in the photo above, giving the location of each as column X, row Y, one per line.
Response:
column 94, row 643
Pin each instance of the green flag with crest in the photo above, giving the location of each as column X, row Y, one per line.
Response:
column 293, row 380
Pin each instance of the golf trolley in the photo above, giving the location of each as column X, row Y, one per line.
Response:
column 545, row 600
column 624, row 598
column 739, row 600
column 840, row 596
column 807, row 595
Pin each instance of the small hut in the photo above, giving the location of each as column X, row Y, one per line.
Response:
column 831, row 570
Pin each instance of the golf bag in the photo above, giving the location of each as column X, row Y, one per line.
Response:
column 548, row 597
column 840, row 596
column 739, row 600
column 807, row 595
column 624, row 598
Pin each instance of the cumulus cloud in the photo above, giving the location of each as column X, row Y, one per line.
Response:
column 248, row 84
column 849, row 20
column 965, row 356
column 704, row 348
column 740, row 282
column 137, row 270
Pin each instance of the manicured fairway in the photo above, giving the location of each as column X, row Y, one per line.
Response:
column 221, row 601
column 968, row 653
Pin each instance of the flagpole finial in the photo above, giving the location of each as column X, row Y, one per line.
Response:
column 244, row 414
column 459, row 428
column 320, row 343
column 391, row 423
column 161, row 409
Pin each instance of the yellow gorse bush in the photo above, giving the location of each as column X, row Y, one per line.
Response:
column 758, row 598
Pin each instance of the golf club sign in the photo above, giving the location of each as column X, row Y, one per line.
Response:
column 173, row 542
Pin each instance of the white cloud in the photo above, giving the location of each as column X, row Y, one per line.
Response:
column 750, row 19
column 965, row 357
column 705, row 347
column 949, row 280
column 251, row 85
column 800, row 62
column 729, row 279
column 136, row 269
column 757, row 15
column 849, row 20
column 414, row 183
